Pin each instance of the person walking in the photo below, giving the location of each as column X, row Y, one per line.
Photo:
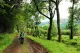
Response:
column 21, row 37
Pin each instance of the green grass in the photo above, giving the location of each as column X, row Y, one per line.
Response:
column 56, row 47
column 5, row 41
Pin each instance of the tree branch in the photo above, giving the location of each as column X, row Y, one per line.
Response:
column 12, row 7
column 53, row 1
column 39, row 10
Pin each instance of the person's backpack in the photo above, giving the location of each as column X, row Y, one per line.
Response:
column 22, row 35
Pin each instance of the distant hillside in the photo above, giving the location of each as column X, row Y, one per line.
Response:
column 62, row 23
column 44, row 23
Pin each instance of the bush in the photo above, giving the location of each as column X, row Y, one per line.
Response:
column 65, row 32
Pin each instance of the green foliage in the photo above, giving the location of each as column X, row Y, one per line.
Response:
column 75, row 43
column 6, row 40
column 45, row 27
column 54, row 30
column 20, row 23
column 75, row 24
column 77, row 13
column 8, row 12
column 75, row 27
column 44, row 30
column 65, row 32
column 56, row 47
column 75, row 1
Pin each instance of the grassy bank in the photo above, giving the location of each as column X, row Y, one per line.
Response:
column 56, row 47
column 5, row 41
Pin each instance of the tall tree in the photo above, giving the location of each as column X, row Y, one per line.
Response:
column 72, row 17
column 58, row 20
column 58, row 17
column 7, row 15
column 49, row 9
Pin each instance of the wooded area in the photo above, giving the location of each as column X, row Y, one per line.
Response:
column 25, row 16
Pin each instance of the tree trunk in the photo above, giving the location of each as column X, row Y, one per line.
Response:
column 58, row 22
column 17, row 28
column 49, row 30
column 72, row 20
column 51, row 20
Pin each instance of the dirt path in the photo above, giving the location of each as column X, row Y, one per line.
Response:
column 16, row 47
column 36, row 47
column 29, row 46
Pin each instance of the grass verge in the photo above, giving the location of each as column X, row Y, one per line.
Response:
column 5, row 41
column 54, row 46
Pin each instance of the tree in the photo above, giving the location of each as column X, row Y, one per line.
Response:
column 72, row 17
column 49, row 9
column 32, row 18
column 7, row 15
column 58, row 18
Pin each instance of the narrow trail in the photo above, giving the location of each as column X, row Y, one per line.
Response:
column 16, row 47
column 29, row 46
column 36, row 47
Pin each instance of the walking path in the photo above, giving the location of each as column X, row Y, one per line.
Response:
column 29, row 46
